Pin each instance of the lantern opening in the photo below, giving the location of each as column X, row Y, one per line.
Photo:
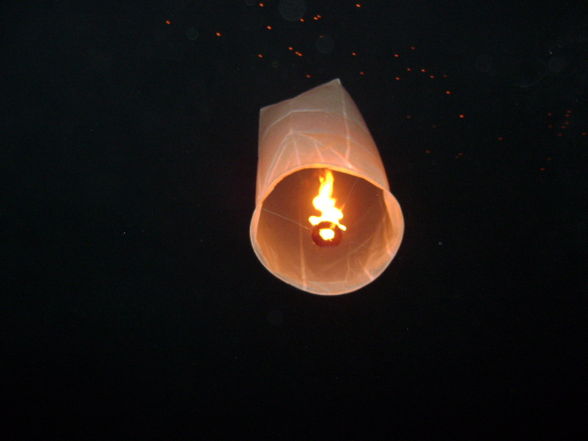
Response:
column 285, row 234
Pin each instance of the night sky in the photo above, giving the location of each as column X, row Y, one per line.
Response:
column 132, row 305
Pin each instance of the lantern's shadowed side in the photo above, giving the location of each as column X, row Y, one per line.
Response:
column 318, row 129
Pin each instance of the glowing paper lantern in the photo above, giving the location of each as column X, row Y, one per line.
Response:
column 324, row 220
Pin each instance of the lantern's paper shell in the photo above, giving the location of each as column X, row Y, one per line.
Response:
column 322, row 128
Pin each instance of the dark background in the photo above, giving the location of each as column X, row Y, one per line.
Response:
column 133, row 306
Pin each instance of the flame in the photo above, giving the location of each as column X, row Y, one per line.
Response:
column 325, row 203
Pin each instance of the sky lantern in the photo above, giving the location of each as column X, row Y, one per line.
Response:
column 325, row 220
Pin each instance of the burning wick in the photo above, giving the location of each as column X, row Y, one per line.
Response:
column 327, row 230
column 326, row 234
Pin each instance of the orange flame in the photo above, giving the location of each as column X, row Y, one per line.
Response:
column 325, row 203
